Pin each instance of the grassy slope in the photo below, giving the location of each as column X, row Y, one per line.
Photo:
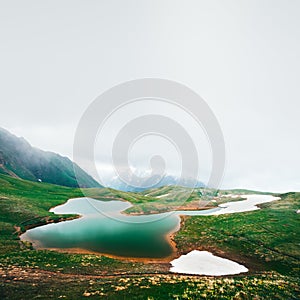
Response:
column 26, row 273
column 268, row 239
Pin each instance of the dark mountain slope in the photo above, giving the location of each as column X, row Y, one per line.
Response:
column 19, row 159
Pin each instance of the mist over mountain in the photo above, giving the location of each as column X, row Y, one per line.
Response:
column 19, row 159
column 141, row 183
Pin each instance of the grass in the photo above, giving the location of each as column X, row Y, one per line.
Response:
column 266, row 241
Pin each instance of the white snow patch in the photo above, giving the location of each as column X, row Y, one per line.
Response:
column 231, row 196
column 161, row 196
column 205, row 263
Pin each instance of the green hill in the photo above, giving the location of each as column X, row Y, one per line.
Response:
column 19, row 159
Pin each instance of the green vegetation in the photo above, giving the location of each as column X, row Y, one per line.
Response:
column 177, row 287
column 266, row 241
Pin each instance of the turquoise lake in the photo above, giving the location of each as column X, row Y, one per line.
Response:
column 103, row 228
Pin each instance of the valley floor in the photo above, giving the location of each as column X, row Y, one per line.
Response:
column 266, row 241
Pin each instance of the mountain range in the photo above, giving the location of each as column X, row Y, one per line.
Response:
column 143, row 183
column 20, row 160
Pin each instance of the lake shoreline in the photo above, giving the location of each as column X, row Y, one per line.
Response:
column 169, row 238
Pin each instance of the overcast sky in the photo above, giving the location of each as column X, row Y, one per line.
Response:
column 242, row 57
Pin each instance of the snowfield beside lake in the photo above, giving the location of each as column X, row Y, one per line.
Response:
column 205, row 263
